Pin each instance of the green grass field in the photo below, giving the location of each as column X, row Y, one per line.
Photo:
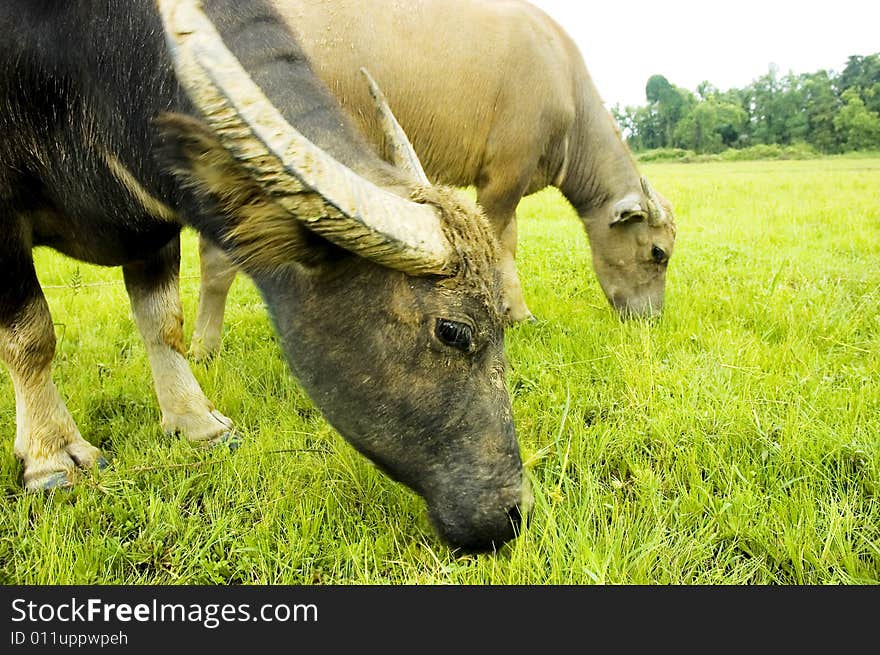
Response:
column 736, row 441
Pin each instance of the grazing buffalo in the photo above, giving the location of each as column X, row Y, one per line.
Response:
column 492, row 94
column 122, row 121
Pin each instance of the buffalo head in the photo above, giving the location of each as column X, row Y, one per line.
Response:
column 386, row 298
column 632, row 240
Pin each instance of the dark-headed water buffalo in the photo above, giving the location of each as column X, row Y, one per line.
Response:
column 122, row 120
column 492, row 93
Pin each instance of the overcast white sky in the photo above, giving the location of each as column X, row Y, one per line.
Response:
column 728, row 43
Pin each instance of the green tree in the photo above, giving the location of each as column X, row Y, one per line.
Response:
column 739, row 98
column 821, row 105
column 711, row 126
column 624, row 118
column 650, row 129
column 832, row 112
column 706, row 90
column 863, row 74
column 776, row 108
column 858, row 127
column 639, row 127
column 668, row 105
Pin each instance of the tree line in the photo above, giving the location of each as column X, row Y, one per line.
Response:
column 831, row 112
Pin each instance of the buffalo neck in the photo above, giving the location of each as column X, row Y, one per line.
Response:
column 600, row 166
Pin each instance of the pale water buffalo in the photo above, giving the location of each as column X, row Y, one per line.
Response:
column 492, row 93
column 121, row 121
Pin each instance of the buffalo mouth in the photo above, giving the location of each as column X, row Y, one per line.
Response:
column 487, row 538
column 486, row 527
column 629, row 308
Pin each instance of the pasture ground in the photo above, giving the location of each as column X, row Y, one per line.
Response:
column 736, row 441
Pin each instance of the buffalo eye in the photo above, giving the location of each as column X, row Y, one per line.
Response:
column 454, row 334
column 658, row 254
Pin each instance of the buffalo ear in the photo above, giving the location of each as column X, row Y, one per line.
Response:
column 627, row 210
column 233, row 210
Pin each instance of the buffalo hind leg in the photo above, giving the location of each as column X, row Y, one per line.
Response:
column 217, row 275
column 152, row 286
column 46, row 437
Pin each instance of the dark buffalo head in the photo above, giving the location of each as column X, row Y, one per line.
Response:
column 386, row 303
column 632, row 240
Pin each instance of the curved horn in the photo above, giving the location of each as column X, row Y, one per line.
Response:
column 356, row 214
column 656, row 215
column 403, row 155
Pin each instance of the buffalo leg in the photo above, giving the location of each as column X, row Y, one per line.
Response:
column 152, row 286
column 46, row 437
column 499, row 206
column 217, row 275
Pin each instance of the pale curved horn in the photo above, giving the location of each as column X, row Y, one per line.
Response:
column 656, row 214
column 403, row 155
column 356, row 215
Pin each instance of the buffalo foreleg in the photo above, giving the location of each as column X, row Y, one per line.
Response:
column 217, row 275
column 152, row 286
column 499, row 204
column 46, row 437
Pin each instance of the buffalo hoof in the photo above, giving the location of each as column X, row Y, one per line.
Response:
column 58, row 480
column 199, row 353
column 528, row 319
column 522, row 315
column 232, row 440
column 102, row 463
